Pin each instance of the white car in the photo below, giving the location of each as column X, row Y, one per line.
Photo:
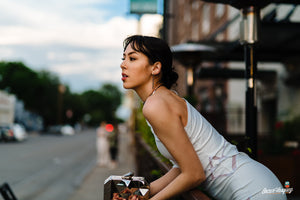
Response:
column 67, row 130
column 19, row 132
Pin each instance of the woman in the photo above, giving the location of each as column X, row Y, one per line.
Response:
column 103, row 146
column 199, row 153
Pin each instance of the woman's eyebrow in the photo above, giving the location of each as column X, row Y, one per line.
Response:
column 130, row 53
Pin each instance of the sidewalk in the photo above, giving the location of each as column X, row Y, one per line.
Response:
column 92, row 185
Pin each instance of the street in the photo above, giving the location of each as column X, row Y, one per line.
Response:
column 47, row 166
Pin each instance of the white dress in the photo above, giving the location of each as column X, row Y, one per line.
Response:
column 103, row 147
column 230, row 174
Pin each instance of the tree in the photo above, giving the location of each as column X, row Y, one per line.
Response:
column 101, row 105
column 40, row 93
column 113, row 100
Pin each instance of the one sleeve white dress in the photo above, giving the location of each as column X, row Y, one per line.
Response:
column 230, row 174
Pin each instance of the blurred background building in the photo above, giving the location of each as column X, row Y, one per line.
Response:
column 220, row 97
column 209, row 54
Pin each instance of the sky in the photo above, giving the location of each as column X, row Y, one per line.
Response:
column 78, row 40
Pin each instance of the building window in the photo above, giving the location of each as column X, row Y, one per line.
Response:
column 196, row 5
column 206, row 19
column 187, row 14
column 220, row 37
column 220, row 10
column 181, row 2
column 195, row 31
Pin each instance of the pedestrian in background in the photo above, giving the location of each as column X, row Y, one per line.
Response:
column 103, row 146
column 113, row 145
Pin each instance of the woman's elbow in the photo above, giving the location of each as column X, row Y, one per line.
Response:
column 200, row 179
column 197, row 178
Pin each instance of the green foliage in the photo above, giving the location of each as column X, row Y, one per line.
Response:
column 243, row 144
column 249, row 150
column 191, row 99
column 291, row 128
column 40, row 93
column 112, row 100
column 102, row 105
column 156, row 173
column 284, row 131
column 92, row 99
column 145, row 131
column 143, row 128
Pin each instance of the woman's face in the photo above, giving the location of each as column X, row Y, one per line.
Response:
column 136, row 70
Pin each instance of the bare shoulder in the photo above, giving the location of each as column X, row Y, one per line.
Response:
column 154, row 105
column 164, row 105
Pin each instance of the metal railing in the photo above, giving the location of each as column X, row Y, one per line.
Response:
column 6, row 192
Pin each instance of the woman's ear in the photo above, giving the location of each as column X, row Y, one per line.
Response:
column 156, row 69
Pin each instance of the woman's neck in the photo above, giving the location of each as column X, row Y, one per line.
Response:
column 145, row 94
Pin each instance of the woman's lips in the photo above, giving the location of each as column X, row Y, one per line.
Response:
column 124, row 76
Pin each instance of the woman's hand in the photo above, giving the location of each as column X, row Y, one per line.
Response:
column 157, row 185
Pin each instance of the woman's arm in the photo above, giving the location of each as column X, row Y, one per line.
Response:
column 168, row 127
column 157, row 185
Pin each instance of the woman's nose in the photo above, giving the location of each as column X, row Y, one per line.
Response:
column 123, row 64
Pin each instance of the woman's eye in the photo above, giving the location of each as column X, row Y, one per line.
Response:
column 123, row 58
column 132, row 59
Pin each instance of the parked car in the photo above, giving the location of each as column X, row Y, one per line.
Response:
column 55, row 129
column 67, row 130
column 19, row 132
column 6, row 133
column 61, row 130
column 14, row 132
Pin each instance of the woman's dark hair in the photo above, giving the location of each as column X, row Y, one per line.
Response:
column 156, row 50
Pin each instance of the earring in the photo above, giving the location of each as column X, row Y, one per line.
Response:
column 152, row 81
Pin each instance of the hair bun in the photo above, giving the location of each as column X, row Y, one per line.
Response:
column 174, row 77
column 170, row 79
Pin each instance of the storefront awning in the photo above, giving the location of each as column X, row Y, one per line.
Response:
column 258, row 3
column 278, row 42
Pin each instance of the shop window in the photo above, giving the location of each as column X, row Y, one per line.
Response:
column 206, row 19
column 220, row 10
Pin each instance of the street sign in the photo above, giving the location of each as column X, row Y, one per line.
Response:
column 143, row 6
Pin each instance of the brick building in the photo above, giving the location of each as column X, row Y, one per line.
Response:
column 222, row 101
column 193, row 21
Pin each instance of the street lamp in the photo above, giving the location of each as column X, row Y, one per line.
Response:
column 185, row 54
column 190, row 80
column 248, row 38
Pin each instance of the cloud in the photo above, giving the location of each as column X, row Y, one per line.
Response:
column 80, row 40
column 69, row 22
column 6, row 52
column 99, row 66
column 35, row 12
column 84, row 34
column 151, row 24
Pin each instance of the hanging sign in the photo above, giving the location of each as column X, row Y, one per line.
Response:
column 143, row 6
